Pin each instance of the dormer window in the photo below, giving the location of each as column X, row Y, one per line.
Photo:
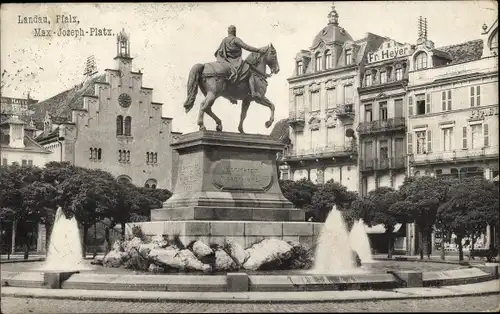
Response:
column 328, row 59
column 319, row 62
column 421, row 61
column 383, row 77
column 300, row 68
column 399, row 74
column 348, row 57
column 368, row 79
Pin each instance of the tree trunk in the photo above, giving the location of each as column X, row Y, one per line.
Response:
column 428, row 243
column 389, row 244
column 123, row 231
column 421, row 243
column 442, row 246
column 460, row 248
column 27, row 246
column 107, row 239
column 84, row 244
column 471, row 249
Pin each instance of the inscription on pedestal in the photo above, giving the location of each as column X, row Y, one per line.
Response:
column 242, row 175
column 189, row 173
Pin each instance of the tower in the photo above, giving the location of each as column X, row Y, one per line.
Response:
column 123, row 44
column 333, row 16
column 422, row 30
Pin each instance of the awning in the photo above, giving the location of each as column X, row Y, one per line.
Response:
column 378, row 229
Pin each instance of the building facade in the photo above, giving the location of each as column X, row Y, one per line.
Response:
column 322, row 107
column 452, row 112
column 110, row 122
column 382, row 116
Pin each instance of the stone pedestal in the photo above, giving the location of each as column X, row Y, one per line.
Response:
column 227, row 188
column 227, row 176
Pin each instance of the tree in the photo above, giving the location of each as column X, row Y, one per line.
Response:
column 422, row 196
column 329, row 194
column 300, row 193
column 19, row 197
column 90, row 195
column 471, row 207
column 380, row 206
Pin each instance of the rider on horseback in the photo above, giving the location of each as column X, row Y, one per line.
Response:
column 229, row 54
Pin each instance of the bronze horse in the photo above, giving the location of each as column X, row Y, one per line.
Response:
column 212, row 80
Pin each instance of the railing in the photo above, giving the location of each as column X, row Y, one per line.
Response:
column 322, row 151
column 391, row 124
column 344, row 110
column 297, row 116
column 455, row 155
column 391, row 79
column 382, row 163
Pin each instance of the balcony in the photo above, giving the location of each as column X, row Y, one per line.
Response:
column 297, row 120
column 322, row 152
column 381, row 164
column 379, row 126
column 459, row 155
column 345, row 111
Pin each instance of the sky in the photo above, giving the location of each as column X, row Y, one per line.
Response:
column 167, row 39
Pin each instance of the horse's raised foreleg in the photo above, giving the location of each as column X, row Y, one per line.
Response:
column 207, row 103
column 266, row 102
column 244, row 109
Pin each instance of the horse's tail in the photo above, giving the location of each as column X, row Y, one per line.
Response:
column 192, row 85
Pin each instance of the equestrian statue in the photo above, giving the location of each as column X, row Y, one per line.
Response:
column 233, row 78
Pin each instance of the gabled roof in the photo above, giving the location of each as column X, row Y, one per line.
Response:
column 60, row 105
column 464, row 52
column 30, row 145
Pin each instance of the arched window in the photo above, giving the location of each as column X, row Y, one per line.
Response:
column 151, row 183
column 99, row 151
column 119, row 125
column 128, row 125
column 328, row 60
column 94, row 153
column 91, row 153
column 155, row 158
column 120, row 155
column 421, row 61
column 417, row 174
column 128, row 156
column 147, row 158
column 124, row 179
column 319, row 62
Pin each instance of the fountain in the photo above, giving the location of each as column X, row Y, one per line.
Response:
column 65, row 248
column 360, row 243
column 333, row 253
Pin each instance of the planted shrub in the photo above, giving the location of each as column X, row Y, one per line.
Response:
column 138, row 233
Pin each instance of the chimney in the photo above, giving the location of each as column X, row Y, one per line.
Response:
column 16, row 132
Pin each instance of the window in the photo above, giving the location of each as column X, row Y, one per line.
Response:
column 315, row 105
column 30, row 163
column 421, row 61
column 128, row 126
column 120, row 156
column 486, row 135
column 383, row 110
column 315, row 139
column 128, row 156
column 399, row 74
column 151, row 158
column 348, row 57
column 299, row 103
column 119, row 125
column 421, row 104
column 384, row 150
column 300, row 69
column 477, row 136
column 95, row 153
column 348, row 94
column 4, row 162
column 24, row 162
column 446, row 100
column 475, row 96
column 368, row 79
column 398, row 107
column 368, row 151
column 383, row 77
column 421, row 142
column 328, row 59
column 464, row 137
column 151, row 183
column 448, row 139
column 331, row 98
column 319, row 62
column 368, row 113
